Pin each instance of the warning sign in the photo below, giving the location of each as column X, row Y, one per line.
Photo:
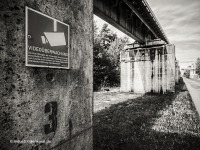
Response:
column 47, row 41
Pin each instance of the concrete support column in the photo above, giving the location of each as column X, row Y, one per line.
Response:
column 164, row 73
column 177, row 69
column 159, row 70
column 147, row 70
column 155, row 72
column 127, row 72
column 44, row 108
column 170, row 50
column 139, row 73
column 125, row 77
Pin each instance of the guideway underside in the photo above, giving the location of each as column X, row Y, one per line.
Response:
column 133, row 17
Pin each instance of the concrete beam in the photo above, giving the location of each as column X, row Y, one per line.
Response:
column 132, row 17
column 140, row 16
column 137, row 35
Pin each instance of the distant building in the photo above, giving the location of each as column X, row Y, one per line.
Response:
column 193, row 73
column 192, row 69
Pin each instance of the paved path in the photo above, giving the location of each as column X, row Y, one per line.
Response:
column 194, row 90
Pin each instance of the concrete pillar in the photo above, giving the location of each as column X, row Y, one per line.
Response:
column 132, row 55
column 159, row 73
column 160, row 69
column 126, row 73
column 177, row 70
column 139, row 73
column 147, row 70
column 170, row 50
column 33, row 99
column 125, row 77
column 155, row 72
column 164, row 73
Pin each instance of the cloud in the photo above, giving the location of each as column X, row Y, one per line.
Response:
column 180, row 19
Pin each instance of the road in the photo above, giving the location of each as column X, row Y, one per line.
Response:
column 194, row 90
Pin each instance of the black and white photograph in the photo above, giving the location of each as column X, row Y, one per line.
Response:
column 100, row 75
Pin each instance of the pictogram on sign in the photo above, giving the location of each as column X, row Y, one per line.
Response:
column 47, row 41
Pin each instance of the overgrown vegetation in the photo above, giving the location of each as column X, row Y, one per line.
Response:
column 150, row 122
column 198, row 66
column 107, row 47
column 186, row 73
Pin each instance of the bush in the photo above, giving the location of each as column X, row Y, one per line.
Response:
column 186, row 73
column 106, row 52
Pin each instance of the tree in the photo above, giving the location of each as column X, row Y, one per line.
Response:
column 107, row 36
column 198, row 66
column 106, row 50
column 101, row 60
column 186, row 73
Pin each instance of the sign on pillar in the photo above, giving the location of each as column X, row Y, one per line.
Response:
column 47, row 41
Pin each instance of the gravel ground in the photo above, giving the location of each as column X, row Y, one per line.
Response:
column 149, row 122
column 104, row 99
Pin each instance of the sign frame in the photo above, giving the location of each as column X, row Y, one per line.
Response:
column 26, row 40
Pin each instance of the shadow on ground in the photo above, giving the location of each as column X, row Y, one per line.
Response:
column 150, row 122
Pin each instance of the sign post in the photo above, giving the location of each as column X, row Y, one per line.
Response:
column 47, row 41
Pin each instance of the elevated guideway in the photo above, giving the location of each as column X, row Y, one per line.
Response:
column 133, row 17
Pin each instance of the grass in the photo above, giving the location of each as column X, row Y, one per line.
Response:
column 150, row 122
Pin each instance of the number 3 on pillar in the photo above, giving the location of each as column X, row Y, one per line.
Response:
column 51, row 107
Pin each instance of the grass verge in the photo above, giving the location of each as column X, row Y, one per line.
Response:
column 150, row 122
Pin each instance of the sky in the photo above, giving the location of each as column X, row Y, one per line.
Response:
column 180, row 20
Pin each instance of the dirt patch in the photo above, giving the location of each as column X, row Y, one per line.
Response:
column 104, row 99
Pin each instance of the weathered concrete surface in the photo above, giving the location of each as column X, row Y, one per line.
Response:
column 177, row 72
column 139, row 71
column 25, row 91
column 78, row 142
column 148, row 70
column 126, row 76
column 170, row 65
